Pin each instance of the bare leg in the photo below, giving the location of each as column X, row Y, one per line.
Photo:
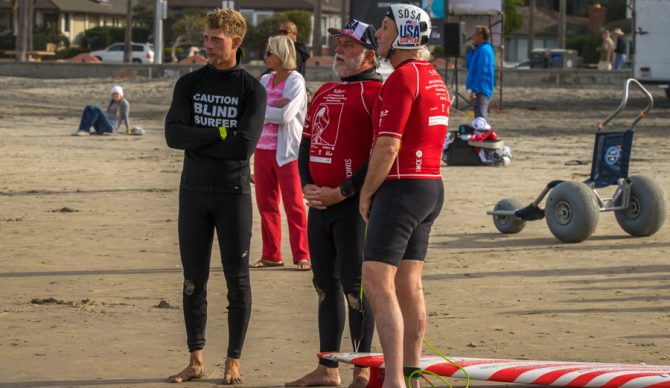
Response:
column 322, row 376
column 231, row 371
column 194, row 370
column 409, row 290
column 378, row 279
column 361, row 377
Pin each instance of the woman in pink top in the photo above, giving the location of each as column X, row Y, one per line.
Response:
column 275, row 159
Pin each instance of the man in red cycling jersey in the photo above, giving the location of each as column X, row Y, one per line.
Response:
column 410, row 119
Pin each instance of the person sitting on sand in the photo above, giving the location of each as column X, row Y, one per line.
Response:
column 107, row 122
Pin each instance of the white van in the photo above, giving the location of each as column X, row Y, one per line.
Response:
column 651, row 28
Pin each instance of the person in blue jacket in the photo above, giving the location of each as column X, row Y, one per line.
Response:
column 480, row 62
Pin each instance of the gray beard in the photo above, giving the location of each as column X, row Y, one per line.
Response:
column 351, row 66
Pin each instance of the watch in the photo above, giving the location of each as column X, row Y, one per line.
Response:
column 346, row 189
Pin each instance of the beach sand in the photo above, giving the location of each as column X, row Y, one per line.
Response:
column 91, row 276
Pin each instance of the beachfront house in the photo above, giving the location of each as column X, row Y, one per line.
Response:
column 546, row 32
column 69, row 17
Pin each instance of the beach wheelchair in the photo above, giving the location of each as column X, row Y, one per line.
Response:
column 572, row 208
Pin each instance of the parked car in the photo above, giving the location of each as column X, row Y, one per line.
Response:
column 142, row 53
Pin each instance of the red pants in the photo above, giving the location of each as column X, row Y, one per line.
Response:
column 269, row 179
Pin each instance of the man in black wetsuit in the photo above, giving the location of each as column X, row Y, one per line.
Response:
column 216, row 117
column 333, row 157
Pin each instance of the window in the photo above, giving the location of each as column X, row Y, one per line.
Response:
column 116, row 47
column 5, row 21
column 249, row 15
column 260, row 16
column 51, row 21
column 324, row 31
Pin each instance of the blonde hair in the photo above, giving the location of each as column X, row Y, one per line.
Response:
column 229, row 20
column 282, row 46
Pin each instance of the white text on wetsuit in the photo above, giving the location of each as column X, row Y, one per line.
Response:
column 215, row 111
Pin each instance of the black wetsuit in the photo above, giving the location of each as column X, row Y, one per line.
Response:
column 336, row 234
column 215, row 189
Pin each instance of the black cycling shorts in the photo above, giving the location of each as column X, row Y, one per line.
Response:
column 402, row 215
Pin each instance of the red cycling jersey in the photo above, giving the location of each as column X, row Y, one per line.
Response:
column 414, row 106
column 339, row 122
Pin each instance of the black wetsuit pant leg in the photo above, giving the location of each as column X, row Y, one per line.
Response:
column 200, row 214
column 336, row 237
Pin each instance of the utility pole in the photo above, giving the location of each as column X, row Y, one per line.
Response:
column 316, row 34
column 561, row 24
column 160, row 13
column 128, row 49
column 30, row 4
column 22, row 32
column 531, row 28
column 15, row 17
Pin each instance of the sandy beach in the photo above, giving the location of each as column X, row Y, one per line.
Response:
column 91, row 276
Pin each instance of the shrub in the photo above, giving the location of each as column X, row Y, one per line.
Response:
column 98, row 38
column 438, row 51
column 44, row 35
column 69, row 52
column 586, row 46
column 257, row 37
column 7, row 41
column 302, row 20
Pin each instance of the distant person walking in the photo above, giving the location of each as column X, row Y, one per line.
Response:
column 106, row 122
column 606, row 51
column 291, row 30
column 480, row 61
column 619, row 49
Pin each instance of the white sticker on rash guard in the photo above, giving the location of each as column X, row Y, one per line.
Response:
column 438, row 120
column 319, row 159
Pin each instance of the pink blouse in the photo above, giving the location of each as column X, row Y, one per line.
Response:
column 268, row 139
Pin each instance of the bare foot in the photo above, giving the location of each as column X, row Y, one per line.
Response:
column 361, row 377
column 191, row 372
column 231, row 372
column 320, row 377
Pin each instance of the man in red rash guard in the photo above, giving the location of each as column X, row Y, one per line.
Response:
column 333, row 157
column 403, row 191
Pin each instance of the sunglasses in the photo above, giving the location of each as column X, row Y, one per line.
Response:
column 268, row 53
column 283, row 32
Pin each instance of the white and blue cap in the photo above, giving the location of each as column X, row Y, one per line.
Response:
column 361, row 32
column 480, row 124
column 413, row 25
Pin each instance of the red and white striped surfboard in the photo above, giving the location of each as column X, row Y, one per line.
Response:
column 552, row 373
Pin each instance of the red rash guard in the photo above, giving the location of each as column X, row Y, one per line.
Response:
column 339, row 122
column 414, row 106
